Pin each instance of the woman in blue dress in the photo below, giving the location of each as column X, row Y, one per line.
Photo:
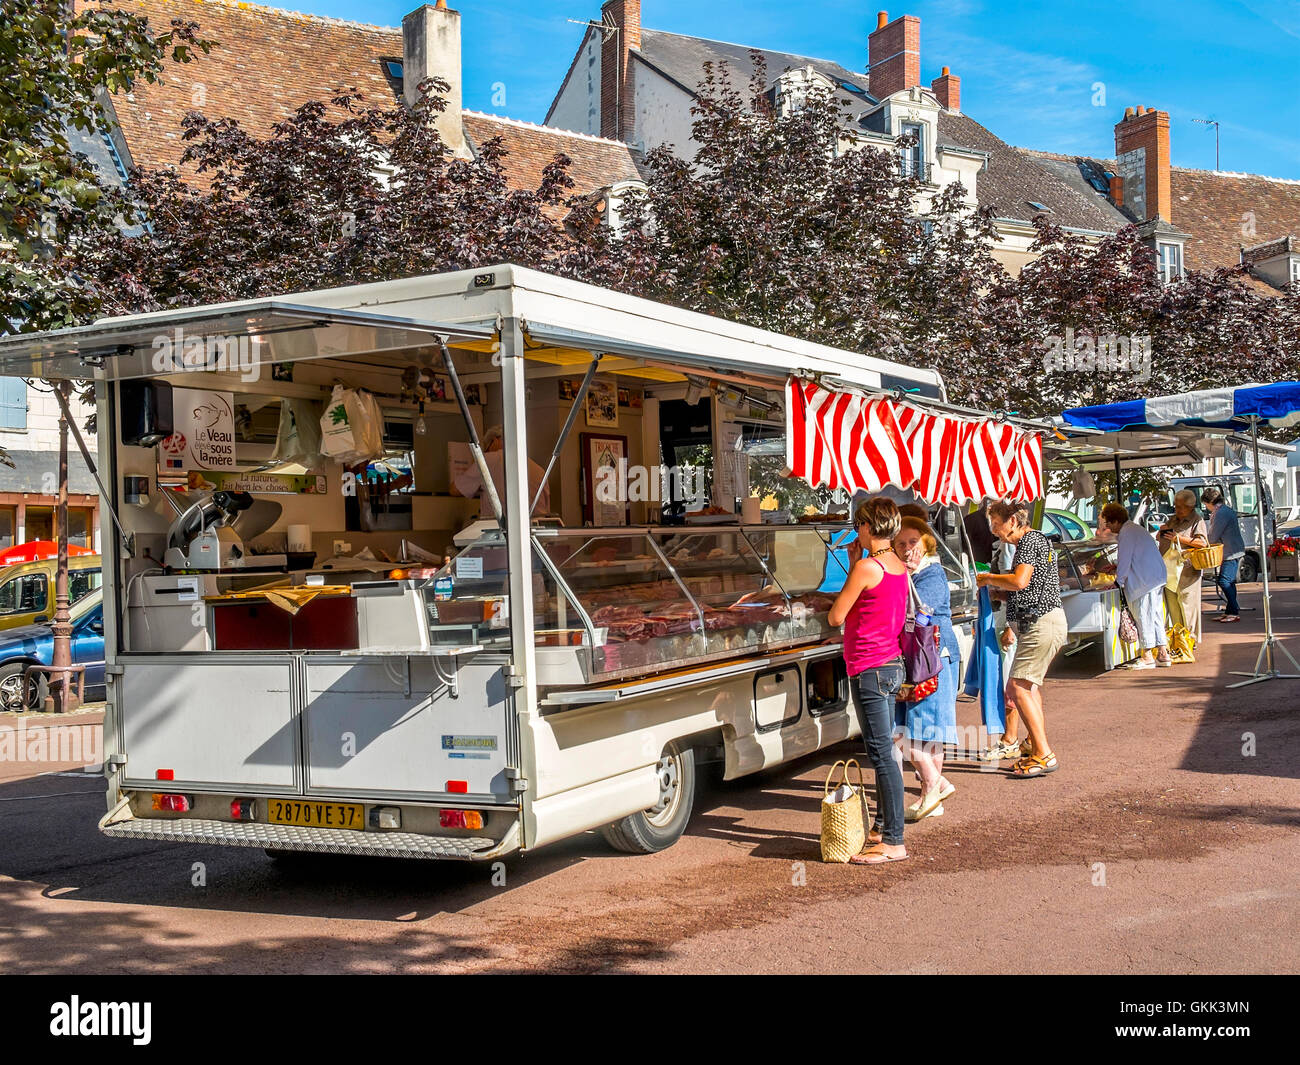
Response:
column 925, row 726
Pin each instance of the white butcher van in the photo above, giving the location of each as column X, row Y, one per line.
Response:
column 362, row 656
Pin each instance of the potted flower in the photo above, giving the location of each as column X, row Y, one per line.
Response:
column 1284, row 556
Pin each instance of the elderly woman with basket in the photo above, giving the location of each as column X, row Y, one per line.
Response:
column 1185, row 531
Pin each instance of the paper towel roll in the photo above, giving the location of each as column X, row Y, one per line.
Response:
column 750, row 513
column 299, row 538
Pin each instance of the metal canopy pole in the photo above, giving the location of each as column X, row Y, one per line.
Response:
column 475, row 448
column 1265, row 658
column 568, row 426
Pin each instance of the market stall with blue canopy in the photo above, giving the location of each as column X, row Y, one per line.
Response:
column 1235, row 409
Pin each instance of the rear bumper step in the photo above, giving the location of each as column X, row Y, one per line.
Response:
column 291, row 838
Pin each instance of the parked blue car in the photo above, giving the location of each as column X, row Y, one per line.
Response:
column 34, row 645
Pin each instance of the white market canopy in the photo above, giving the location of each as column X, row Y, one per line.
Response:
column 1234, row 408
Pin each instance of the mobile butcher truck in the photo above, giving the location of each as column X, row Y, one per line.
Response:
column 344, row 613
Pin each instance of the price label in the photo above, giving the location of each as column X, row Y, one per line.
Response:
column 470, row 568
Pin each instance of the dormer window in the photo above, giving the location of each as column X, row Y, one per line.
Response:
column 1169, row 260
column 912, row 159
column 1295, row 270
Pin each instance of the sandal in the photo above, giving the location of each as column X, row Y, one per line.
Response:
column 872, row 856
column 924, row 806
column 1034, row 766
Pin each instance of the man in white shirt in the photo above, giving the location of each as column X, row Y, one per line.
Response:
column 1141, row 572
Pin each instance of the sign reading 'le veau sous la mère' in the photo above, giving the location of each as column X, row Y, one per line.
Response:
column 204, row 437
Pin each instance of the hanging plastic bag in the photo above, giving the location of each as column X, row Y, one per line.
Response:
column 352, row 427
column 368, row 425
column 298, row 438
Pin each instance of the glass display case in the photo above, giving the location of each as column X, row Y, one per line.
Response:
column 1086, row 565
column 630, row 601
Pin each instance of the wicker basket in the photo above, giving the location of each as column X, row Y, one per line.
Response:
column 1204, row 558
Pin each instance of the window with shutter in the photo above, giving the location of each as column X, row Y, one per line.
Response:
column 13, row 403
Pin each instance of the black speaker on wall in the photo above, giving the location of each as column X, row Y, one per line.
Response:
column 146, row 412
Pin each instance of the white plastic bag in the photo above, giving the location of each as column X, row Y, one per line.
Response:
column 352, row 427
column 298, row 439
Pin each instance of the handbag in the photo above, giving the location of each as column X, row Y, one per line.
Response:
column 1128, row 630
column 919, row 642
column 844, row 815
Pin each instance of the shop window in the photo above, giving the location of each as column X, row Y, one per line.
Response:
column 39, row 524
column 81, row 526
column 23, row 595
column 8, row 525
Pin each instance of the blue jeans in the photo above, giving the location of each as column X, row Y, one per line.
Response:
column 874, row 692
column 1227, row 582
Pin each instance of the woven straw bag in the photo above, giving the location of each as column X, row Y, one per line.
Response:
column 844, row 815
column 1201, row 558
column 1204, row 558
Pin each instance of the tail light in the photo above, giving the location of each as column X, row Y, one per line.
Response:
column 241, row 810
column 177, row 804
column 460, row 819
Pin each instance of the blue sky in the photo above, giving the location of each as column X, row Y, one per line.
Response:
column 1030, row 71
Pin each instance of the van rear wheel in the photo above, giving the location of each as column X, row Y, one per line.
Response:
column 662, row 825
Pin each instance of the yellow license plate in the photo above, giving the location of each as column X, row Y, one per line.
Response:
column 309, row 814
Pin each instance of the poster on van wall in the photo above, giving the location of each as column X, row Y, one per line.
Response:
column 204, row 436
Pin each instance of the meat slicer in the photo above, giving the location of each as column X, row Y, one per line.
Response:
column 210, row 533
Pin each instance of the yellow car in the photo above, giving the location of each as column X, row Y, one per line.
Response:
column 27, row 589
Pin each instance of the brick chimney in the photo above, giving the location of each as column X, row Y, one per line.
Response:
column 1142, row 163
column 431, row 48
column 948, row 88
column 894, row 55
column 617, row 98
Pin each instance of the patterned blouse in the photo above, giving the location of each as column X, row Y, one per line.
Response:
column 1042, row 594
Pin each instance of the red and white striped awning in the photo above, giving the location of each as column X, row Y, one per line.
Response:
column 856, row 442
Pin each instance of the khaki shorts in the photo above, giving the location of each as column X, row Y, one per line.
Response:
column 1036, row 648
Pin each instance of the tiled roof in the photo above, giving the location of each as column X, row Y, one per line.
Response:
column 1219, row 210
column 596, row 162
column 682, row 59
column 1013, row 181
column 265, row 63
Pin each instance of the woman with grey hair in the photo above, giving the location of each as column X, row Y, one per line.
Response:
column 1184, row 531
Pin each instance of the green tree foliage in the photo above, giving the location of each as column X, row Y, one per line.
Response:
column 54, row 70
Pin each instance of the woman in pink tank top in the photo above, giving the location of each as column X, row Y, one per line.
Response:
column 872, row 607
